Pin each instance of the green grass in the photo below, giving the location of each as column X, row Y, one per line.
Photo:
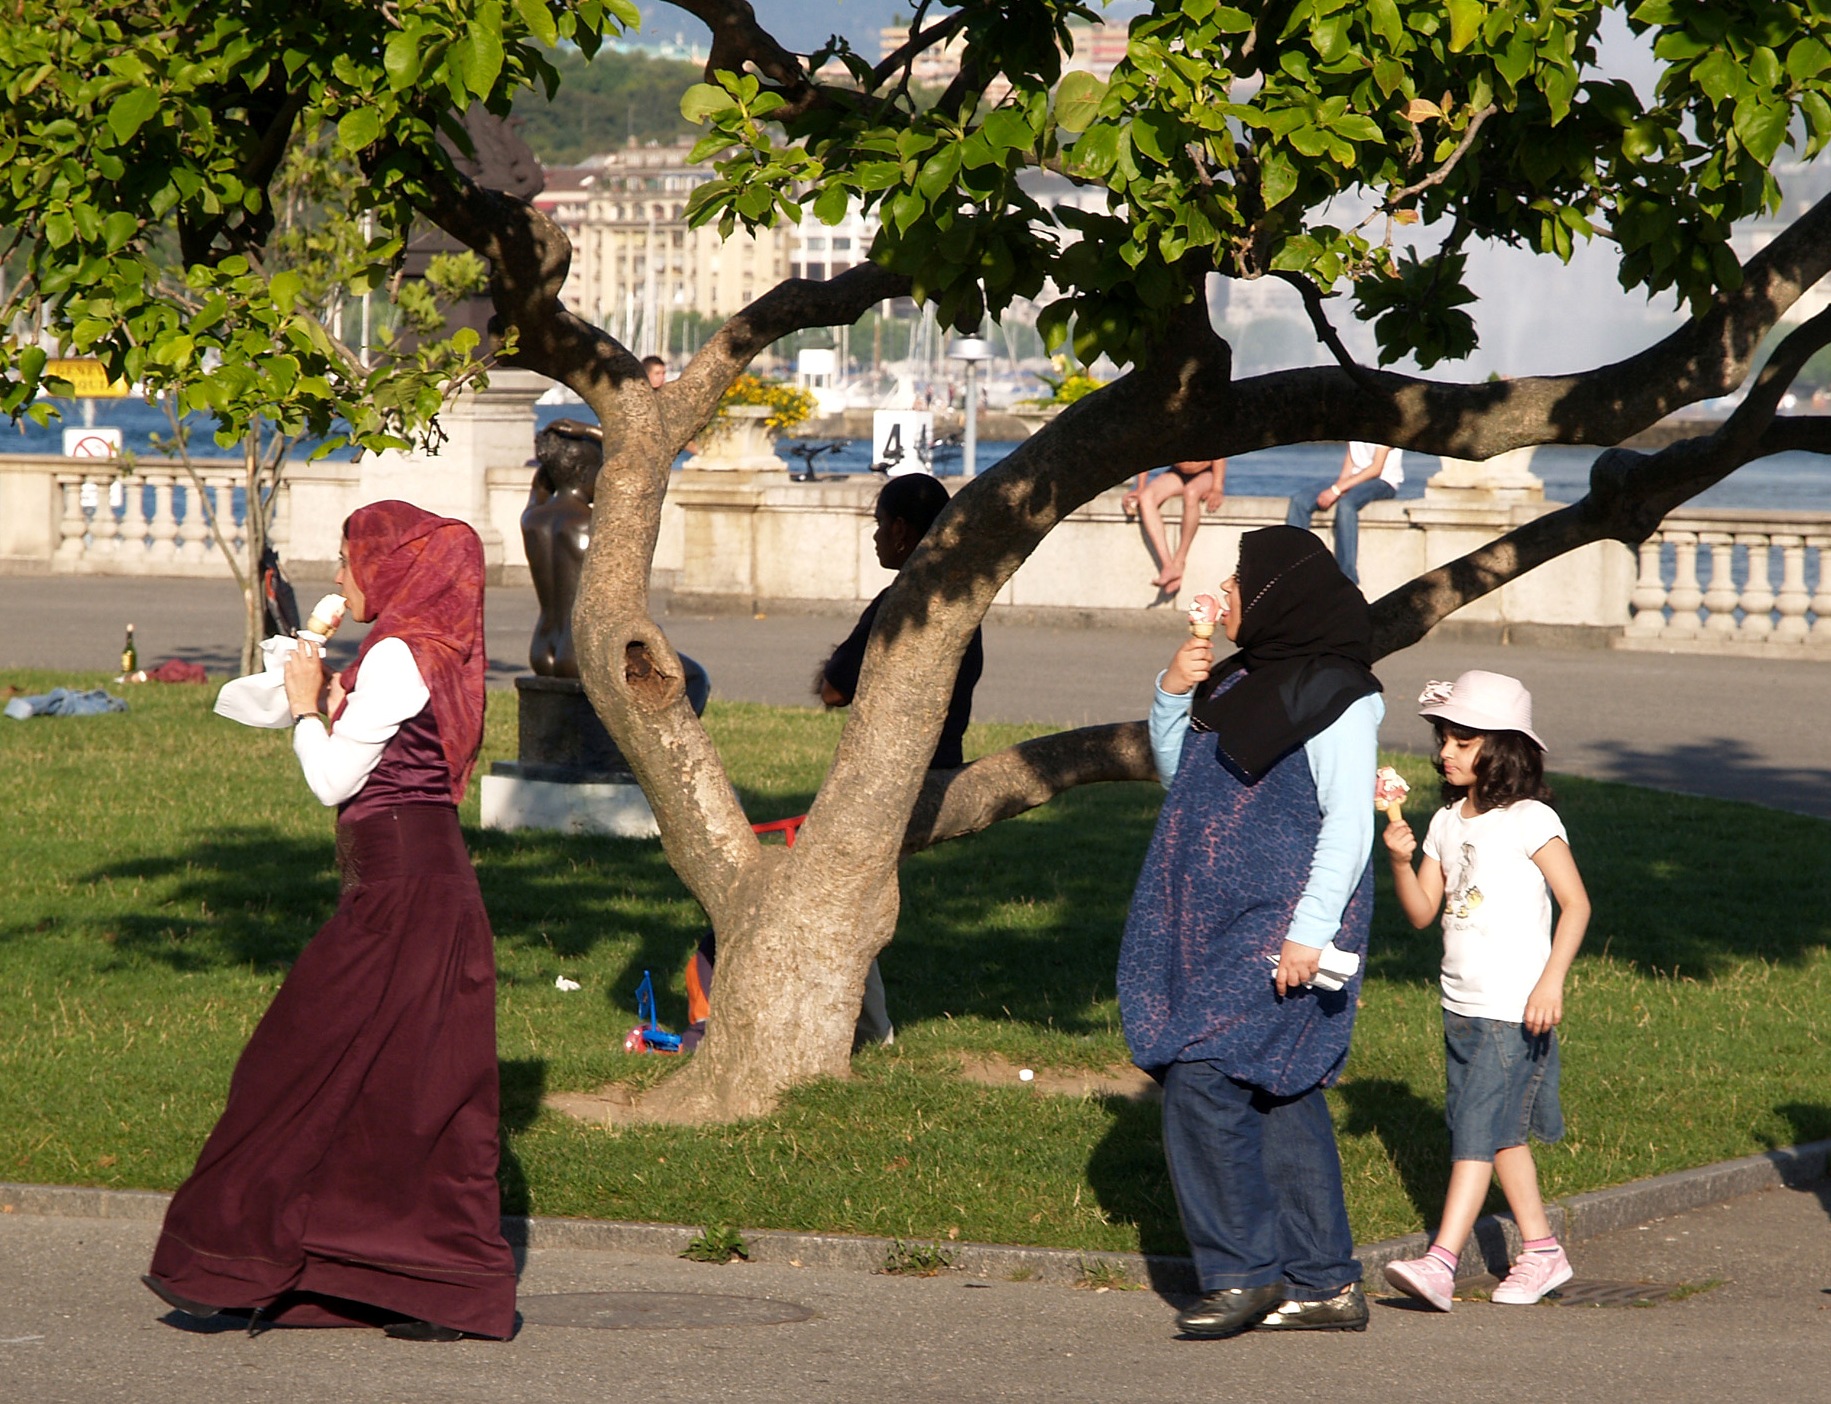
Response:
column 164, row 867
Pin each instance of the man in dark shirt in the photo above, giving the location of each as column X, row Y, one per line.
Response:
column 906, row 508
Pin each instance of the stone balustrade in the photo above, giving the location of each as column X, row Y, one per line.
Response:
column 80, row 517
column 1708, row 580
column 1718, row 581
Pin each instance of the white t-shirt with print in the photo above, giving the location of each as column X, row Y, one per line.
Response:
column 1496, row 906
column 1391, row 471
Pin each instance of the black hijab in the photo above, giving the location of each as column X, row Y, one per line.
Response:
column 1305, row 645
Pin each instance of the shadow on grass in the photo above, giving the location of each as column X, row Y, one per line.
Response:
column 1021, row 923
column 1412, row 1132
column 524, row 1083
column 1128, row 1175
column 251, row 898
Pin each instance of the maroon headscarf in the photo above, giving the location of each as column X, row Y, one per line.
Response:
column 422, row 578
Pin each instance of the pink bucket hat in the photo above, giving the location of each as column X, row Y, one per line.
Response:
column 1483, row 701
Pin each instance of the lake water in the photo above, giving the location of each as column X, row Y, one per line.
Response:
column 1788, row 481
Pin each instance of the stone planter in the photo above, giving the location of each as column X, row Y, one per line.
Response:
column 738, row 441
column 1033, row 417
column 1506, row 477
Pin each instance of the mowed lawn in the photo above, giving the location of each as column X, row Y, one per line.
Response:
column 163, row 867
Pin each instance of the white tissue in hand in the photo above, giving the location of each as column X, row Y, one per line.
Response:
column 1336, row 969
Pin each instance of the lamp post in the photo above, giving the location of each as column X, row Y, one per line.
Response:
column 972, row 350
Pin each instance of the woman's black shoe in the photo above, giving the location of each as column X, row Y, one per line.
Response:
column 1229, row 1311
column 178, row 1303
column 421, row 1331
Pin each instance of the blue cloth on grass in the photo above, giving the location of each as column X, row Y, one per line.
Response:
column 62, row 702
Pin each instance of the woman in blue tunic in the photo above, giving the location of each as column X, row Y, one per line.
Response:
column 1259, row 862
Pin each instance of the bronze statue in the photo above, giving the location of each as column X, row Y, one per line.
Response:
column 556, row 529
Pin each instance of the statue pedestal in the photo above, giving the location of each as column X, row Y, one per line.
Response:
column 1504, row 479
column 571, row 777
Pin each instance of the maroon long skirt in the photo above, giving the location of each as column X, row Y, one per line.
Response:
column 353, row 1171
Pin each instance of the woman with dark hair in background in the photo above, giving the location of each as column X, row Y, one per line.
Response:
column 352, row 1177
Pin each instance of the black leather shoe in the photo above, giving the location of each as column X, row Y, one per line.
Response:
column 1345, row 1311
column 421, row 1331
column 1229, row 1311
column 165, row 1294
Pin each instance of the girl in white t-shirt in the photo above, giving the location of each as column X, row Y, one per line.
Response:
column 1495, row 858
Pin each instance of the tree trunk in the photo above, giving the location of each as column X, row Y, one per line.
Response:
column 254, row 536
column 791, row 972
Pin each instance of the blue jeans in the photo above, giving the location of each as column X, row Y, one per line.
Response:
column 1347, row 515
column 1258, row 1184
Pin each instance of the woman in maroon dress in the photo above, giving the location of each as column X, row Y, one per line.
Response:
column 352, row 1178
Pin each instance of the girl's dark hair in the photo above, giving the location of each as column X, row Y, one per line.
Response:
column 1508, row 769
column 916, row 498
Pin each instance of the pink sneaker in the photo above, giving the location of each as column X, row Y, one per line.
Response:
column 1533, row 1275
column 1429, row 1279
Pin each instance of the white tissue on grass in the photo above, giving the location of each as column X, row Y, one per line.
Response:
column 564, row 984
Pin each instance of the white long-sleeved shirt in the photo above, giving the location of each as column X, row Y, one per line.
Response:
column 1343, row 758
column 389, row 691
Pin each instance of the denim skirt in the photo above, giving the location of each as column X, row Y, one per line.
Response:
column 1503, row 1086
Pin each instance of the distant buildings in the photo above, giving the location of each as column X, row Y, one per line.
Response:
column 1097, row 50
column 638, row 270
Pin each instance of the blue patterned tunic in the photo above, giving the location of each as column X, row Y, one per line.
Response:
column 1208, row 919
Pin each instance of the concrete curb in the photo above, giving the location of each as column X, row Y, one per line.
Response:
column 1580, row 1217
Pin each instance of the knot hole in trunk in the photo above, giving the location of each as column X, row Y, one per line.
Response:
column 648, row 682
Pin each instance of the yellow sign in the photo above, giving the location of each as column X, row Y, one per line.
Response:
column 90, row 379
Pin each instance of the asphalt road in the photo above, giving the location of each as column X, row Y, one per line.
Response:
column 1736, row 728
column 76, row 1327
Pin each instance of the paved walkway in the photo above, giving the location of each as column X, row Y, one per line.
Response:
column 76, row 1327
column 1738, row 728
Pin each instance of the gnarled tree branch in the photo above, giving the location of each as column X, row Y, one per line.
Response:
column 954, row 803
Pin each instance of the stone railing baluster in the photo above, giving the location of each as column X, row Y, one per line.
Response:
column 1649, row 598
column 163, row 528
column 73, row 523
column 1720, row 596
column 1793, row 600
column 1685, row 596
column 1758, row 594
column 104, row 529
column 1821, row 598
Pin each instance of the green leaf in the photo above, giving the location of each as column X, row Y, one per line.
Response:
column 1465, row 23
column 1155, row 133
column 1277, row 179
column 1097, row 149
column 478, row 56
column 1077, row 101
column 1007, row 128
column 1808, row 61
column 703, row 101
column 1383, row 15
column 539, row 20
column 358, row 130
column 118, row 228
column 129, row 112
column 831, row 205
column 1762, row 127
column 1817, row 112
column 284, row 289
column 403, row 56
column 1719, row 77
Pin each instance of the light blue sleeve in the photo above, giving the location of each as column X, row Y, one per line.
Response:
column 1169, row 724
column 1342, row 759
